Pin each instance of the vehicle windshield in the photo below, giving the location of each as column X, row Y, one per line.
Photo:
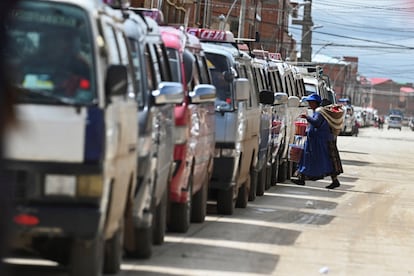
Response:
column 395, row 118
column 50, row 53
column 310, row 89
column 218, row 66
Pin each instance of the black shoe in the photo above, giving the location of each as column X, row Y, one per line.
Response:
column 298, row 181
column 333, row 185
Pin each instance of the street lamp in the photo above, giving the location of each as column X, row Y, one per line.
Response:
column 314, row 27
column 320, row 49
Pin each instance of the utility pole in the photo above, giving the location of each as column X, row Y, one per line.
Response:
column 242, row 19
column 307, row 24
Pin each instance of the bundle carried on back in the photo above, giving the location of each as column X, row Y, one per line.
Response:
column 334, row 114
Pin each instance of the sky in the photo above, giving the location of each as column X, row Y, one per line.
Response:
column 380, row 33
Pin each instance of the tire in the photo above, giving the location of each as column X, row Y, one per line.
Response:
column 275, row 172
column 160, row 221
column 143, row 243
column 261, row 181
column 86, row 257
column 283, row 171
column 180, row 213
column 114, row 251
column 225, row 201
column 243, row 194
column 199, row 203
column 253, row 185
column 268, row 182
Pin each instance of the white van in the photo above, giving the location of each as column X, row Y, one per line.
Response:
column 74, row 150
column 395, row 121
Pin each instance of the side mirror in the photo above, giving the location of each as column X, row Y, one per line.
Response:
column 266, row 97
column 116, row 81
column 293, row 101
column 242, row 88
column 280, row 98
column 203, row 93
column 168, row 93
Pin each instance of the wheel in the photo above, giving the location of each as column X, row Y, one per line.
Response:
column 86, row 257
column 253, row 185
column 180, row 213
column 283, row 170
column 225, row 201
column 143, row 243
column 275, row 172
column 268, row 182
column 261, row 181
column 160, row 221
column 199, row 203
column 113, row 251
column 243, row 194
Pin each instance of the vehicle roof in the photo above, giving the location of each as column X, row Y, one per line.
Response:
column 135, row 27
column 220, row 50
column 310, row 80
column 172, row 37
column 89, row 5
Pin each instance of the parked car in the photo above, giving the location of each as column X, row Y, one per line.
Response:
column 74, row 152
column 156, row 99
column 195, row 127
column 237, row 114
column 395, row 121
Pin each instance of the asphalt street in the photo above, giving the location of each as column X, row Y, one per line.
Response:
column 365, row 227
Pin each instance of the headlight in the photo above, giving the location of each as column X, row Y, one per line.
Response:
column 62, row 185
column 90, row 186
column 228, row 152
column 70, row 185
column 180, row 134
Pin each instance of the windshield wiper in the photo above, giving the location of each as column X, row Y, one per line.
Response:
column 48, row 95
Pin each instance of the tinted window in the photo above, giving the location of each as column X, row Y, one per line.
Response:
column 149, row 69
column 173, row 57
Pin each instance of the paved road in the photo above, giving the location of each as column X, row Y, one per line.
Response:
column 363, row 228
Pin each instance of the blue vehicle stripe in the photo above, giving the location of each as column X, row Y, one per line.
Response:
column 94, row 135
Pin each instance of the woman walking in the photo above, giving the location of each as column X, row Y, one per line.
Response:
column 320, row 157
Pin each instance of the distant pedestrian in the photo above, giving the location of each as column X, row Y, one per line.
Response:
column 381, row 122
column 320, row 157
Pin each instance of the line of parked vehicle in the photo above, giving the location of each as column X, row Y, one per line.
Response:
column 162, row 120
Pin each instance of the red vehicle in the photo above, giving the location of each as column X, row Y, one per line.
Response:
column 195, row 129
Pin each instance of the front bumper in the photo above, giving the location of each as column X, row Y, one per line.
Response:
column 56, row 221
